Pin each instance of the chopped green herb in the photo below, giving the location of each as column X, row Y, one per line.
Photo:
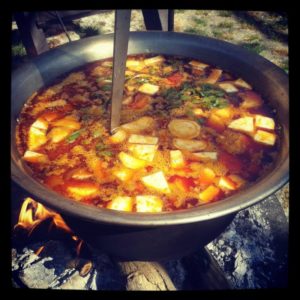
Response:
column 97, row 133
column 100, row 147
column 74, row 136
column 106, row 87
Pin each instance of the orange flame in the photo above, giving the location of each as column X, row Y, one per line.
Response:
column 32, row 213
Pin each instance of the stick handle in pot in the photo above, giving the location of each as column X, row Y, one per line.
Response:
column 122, row 24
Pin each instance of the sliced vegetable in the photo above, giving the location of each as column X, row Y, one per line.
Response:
column 209, row 194
column 198, row 64
column 139, row 125
column 189, row 145
column 69, row 122
column 186, row 129
column 36, row 138
column 206, row 176
column 244, row 124
column 123, row 174
column 35, row 157
column 206, row 155
column 154, row 60
column 142, row 139
column 157, row 181
column 118, row 137
column 239, row 181
column 148, row 203
column 183, row 183
column 265, row 137
column 145, row 152
column 82, row 190
column 225, row 183
column 122, row 203
column 131, row 162
column 74, row 136
column 264, row 122
column 175, row 79
column 216, row 122
column 177, row 159
column 41, row 124
column 148, row 88
column 135, row 65
column 228, row 87
column 214, row 76
column 243, row 84
column 140, row 101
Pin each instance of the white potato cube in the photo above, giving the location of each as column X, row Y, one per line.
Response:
column 265, row 137
column 118, row 137
column 122, row 203
column 143, row 139
column 177, row 159
column 228, row 87
column 154, row 60
column 131, row 162
column 157, row 181
column 206, row 155
column 148, row 88
column 35, row 157
column 145, row 152
column 139, row 125
column 198, row 64
column 264, row 122
column 244, row 124
column 148, row 203
column 241, row 83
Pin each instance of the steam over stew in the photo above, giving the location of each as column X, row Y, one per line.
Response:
column 190, row 134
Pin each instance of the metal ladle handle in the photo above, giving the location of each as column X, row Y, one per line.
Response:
column 122, row 24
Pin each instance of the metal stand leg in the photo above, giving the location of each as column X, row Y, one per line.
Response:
column 159, row 19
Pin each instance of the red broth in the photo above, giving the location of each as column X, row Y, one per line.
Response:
column 190, row 134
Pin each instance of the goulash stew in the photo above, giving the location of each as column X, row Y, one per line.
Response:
column 190, row 134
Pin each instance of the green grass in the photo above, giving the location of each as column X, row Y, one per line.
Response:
column 225, row 13
column 18, row 50
column 180, row 11
column 285, row 66
column 225, row 24
column 199, row 21
column 217, row 33
column 254, row 46
column 196, row 31
column 86, row 30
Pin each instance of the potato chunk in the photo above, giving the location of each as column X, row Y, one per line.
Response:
column 57, row 134
column 206, row 155
column 41, row 124
column 209, row 194
column 82, row 190
column 244, row 124
column 189, row 145
column 143, row 139
column 36, row 138
column 135, row 65
column 69, row 122
column 225, row 183
column 122, row 203
column 118, row 137
column 243, row 84
column 35, row 157
column 228, row 87
column 264, row 122
column 185, row 129
column 157, row 181
column 148, row 88
column 177, row 159
column 154, row 60
column 145, row 152
column 149, row 203
column 198, row 64
column 139, row 125
column 131, row 162
column 265, row 137
column 213, row 76
column 123, row 174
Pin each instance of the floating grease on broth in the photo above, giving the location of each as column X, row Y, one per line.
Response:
column 190, row 134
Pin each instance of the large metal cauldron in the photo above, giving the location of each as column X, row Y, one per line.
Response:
column 162, row 235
